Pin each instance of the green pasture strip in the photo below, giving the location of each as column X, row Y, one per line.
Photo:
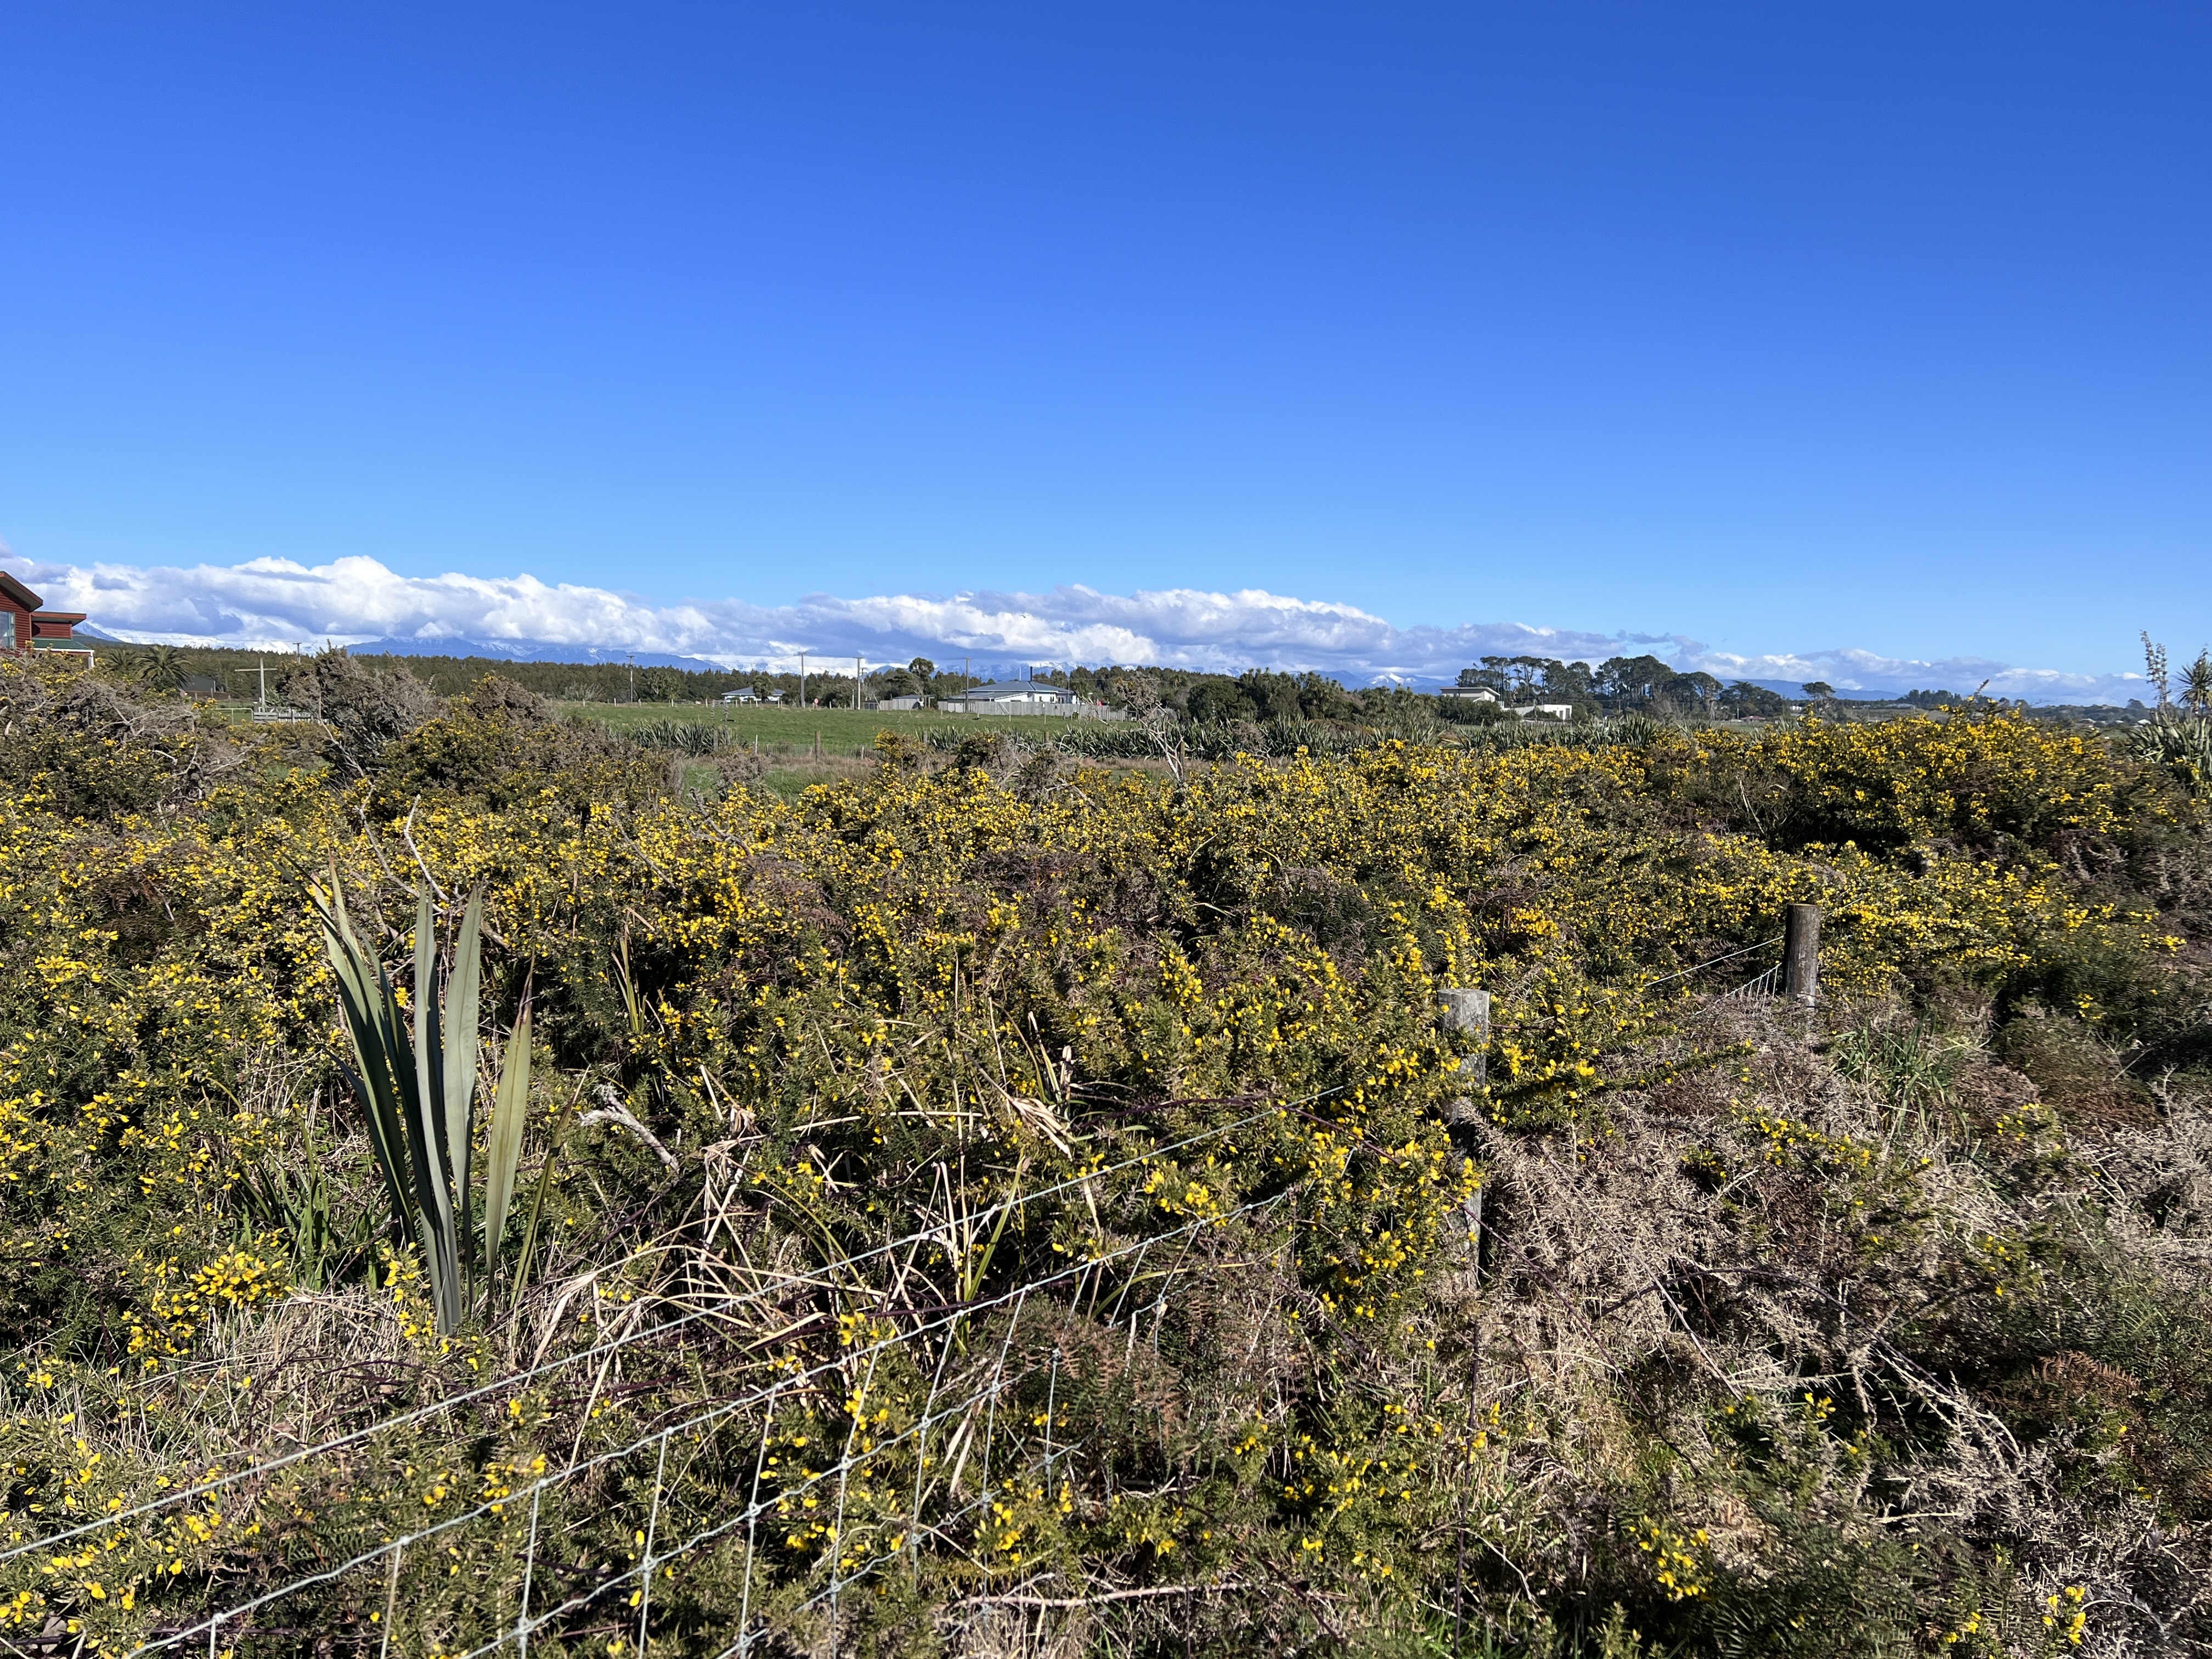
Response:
column 843, row 730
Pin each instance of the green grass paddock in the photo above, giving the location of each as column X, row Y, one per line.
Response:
column 793, row 730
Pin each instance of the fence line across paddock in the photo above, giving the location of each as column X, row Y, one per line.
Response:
column 1713, row 962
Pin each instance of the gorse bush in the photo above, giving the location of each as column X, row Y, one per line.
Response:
column 991, row 1206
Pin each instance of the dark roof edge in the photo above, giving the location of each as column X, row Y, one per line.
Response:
column 22, row 595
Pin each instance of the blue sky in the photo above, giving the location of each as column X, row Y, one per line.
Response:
column 1778, row 330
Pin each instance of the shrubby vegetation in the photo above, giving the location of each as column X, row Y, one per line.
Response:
column 1680, row 1324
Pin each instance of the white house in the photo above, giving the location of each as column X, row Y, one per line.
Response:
column 1013, row 697
column 1558, row 711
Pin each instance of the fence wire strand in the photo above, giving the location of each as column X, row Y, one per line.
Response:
column 610, row 1348
column 982, row 1394
column 755, row 1507
column 1714, row 962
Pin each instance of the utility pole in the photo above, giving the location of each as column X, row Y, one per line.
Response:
column 856, row 682
column 632, row 657
column 802, row 679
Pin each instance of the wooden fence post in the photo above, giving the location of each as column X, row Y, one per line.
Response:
column 1800, row 954
column 1469, row 1012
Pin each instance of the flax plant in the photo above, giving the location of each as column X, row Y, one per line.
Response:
column 419, row 1095
column 2177, row 738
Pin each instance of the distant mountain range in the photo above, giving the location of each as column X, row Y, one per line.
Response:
column 494, row 650
column 527, row 651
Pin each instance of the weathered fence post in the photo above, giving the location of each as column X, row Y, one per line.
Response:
column 1469, row 1012
column 1801, row 953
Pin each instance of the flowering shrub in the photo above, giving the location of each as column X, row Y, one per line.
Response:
column 1419, row 1377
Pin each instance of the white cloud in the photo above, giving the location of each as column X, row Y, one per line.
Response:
column 277, row 603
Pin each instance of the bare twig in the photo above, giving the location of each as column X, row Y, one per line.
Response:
column 612, row 1110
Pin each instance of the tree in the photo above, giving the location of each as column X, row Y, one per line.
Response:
column 2197, row 683
column 1277, row 696
column 1321, row 698
column 659, row 685
column 1819, row 690
column 1630, row 679
column 366, row 710
column 1215, row 701
column 1571, row 680
column 1141, row 695
column 1744, row 701
column 1533, row 675
column 161, row 668
column 1698, row 689
column 922, row 669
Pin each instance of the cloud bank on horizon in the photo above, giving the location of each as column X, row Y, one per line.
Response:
column 278, row 604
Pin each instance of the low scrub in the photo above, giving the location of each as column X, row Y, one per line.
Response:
column 993, row 1204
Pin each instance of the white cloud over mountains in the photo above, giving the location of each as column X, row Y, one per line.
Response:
column 277, row 603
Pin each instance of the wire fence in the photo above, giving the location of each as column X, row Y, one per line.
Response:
column 936, row 1513
column 1767, row 983
column 762, row 1453
column 786, row 1451
column 1714, row 962
column 1763, row 984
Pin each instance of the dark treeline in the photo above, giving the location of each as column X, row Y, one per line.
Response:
column 1616, row 686
column 215, row 671
column 1258, row 694
column 1622, row 685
